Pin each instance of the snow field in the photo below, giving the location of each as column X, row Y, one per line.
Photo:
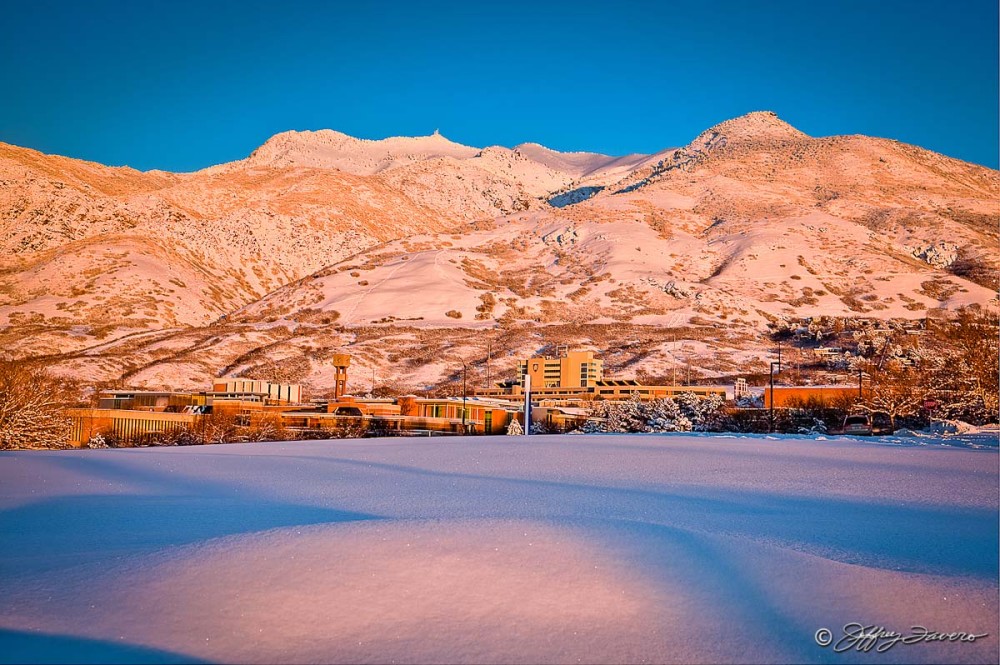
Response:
column 608, row 548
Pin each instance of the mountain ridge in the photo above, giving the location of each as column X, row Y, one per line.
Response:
column 420, row 243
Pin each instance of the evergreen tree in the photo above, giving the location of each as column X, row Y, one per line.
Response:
column 663, row 415
column 705, row 413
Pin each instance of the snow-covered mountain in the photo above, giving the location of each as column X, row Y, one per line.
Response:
column 409, row 252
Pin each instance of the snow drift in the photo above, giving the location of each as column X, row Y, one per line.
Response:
column 631, row 548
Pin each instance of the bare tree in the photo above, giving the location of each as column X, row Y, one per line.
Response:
column 894, row 390
column 32, row 407
column 266, row 427
column 217, row 428
column 972, row 355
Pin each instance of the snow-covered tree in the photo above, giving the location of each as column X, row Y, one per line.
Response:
column 635, row 415
column 615, row 417
column 966, row 407
column 32, row 404
column 969, row 351
column 514, row 428
column 543, row 428
column 632, row 414
column 704, row 413
column 663, row 415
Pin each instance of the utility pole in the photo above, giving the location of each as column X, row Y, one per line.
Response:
column 489, row 357
column 779, row 356
column 673, row 352
column 465, row 368
column 373, row 381
column 687, row 360
column 771, row 404
column 860, row 394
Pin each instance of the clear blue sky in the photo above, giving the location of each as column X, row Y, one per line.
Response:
column 181, row 85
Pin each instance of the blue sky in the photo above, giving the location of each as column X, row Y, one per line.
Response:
column 180, row 85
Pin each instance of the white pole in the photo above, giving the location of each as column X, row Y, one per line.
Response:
column 527, row 403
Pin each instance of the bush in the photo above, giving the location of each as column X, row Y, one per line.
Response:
column 817, row 414
column 98, row 441
column 32, row 403
column 758, row 421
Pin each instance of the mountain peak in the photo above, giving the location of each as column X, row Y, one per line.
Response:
column 754, row 126
column 326, row 148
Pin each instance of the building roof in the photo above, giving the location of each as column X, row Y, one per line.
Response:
column 132, row 393
column 852, row 386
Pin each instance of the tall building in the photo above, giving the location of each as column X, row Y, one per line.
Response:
column 572, row 369
column 577, row 377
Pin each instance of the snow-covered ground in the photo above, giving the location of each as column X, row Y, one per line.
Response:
column 613, row 548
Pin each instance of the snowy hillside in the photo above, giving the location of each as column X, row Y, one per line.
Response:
column 398, row 250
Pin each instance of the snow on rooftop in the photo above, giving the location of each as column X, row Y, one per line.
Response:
column 610, row 548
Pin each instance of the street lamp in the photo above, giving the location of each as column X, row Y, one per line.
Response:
column 465, row 368
column 772, row 392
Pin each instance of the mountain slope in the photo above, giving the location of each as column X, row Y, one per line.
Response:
column 410, row 253
column 753, row 216
column 87, row 245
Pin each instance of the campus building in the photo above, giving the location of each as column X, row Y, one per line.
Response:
column 562, row 390
column 576, row 377
column 796, row 396
column 274, row 393
column 134, row 417
column 571, row 369
column 131, row 415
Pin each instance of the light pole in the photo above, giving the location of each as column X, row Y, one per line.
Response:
column 687, row 362
column 860, row 394
column 527, row 404
column 772, row 393
column 465, row 367
column 489, row 356
column 673, row 358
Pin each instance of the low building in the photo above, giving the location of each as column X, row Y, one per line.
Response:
column 791, row 396
column 559, row 418
column 149, row 400
column 126, row 425
column 627, row 388
column 133, row 416
column 275, row 393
